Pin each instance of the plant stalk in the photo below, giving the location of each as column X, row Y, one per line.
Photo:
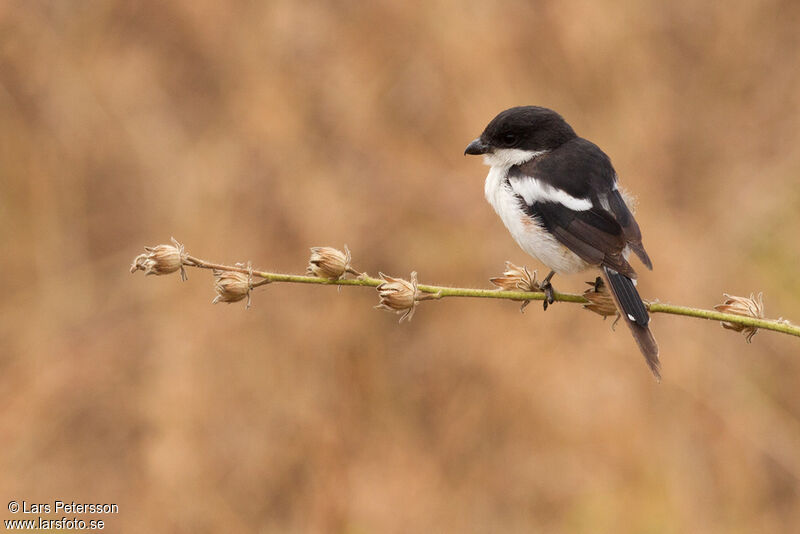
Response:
column 364, row 280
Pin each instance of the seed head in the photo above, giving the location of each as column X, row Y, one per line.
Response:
column 330, row 263
column 232, row 286
column 600, row 300
column 161, row 259
column 746, row 307
column 400, row 296
column 516, row 278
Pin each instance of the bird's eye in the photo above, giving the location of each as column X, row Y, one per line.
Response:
column 509, row 138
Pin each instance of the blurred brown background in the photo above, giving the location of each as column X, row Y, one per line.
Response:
column 254, row 130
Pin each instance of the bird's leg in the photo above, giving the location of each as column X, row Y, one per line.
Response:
column 598, row 284
column 549, row 292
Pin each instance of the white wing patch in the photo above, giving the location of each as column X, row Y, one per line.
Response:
column 533, row 190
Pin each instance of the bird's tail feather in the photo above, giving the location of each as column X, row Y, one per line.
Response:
column 633, row 311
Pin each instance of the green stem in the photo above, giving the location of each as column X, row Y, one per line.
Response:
column 766, row 324
column 443, row 291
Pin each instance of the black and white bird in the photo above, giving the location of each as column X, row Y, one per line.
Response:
column 557, row 194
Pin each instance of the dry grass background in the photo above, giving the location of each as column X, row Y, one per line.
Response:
column 254, row 130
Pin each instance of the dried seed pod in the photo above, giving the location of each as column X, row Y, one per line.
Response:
column 746, row 307
column 330, row 263
column 161, row 259
column 600, row 300
column 516, row 278
column 399, row 296
column 231, row 286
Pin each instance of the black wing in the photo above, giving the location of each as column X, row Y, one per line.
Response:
column 593, row 234
column 578, row 167
column 597, row 235
column 630, row 228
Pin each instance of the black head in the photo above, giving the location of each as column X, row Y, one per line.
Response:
column 530, row 128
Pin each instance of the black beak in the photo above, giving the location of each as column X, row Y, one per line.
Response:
column 476, row 148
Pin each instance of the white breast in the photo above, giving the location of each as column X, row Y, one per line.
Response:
column 526, row 231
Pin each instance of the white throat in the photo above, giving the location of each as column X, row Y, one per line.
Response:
column 505, row 158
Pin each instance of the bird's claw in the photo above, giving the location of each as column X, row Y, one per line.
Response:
column 549, row 294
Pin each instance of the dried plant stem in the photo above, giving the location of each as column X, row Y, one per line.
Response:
column 442, row 291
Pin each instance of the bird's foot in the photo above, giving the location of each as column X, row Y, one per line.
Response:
column 549, row 294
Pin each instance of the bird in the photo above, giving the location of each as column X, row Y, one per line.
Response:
column 558, row 196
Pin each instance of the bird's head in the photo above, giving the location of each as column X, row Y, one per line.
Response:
column 518, row 134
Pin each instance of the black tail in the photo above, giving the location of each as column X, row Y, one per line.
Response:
column 633, row 311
